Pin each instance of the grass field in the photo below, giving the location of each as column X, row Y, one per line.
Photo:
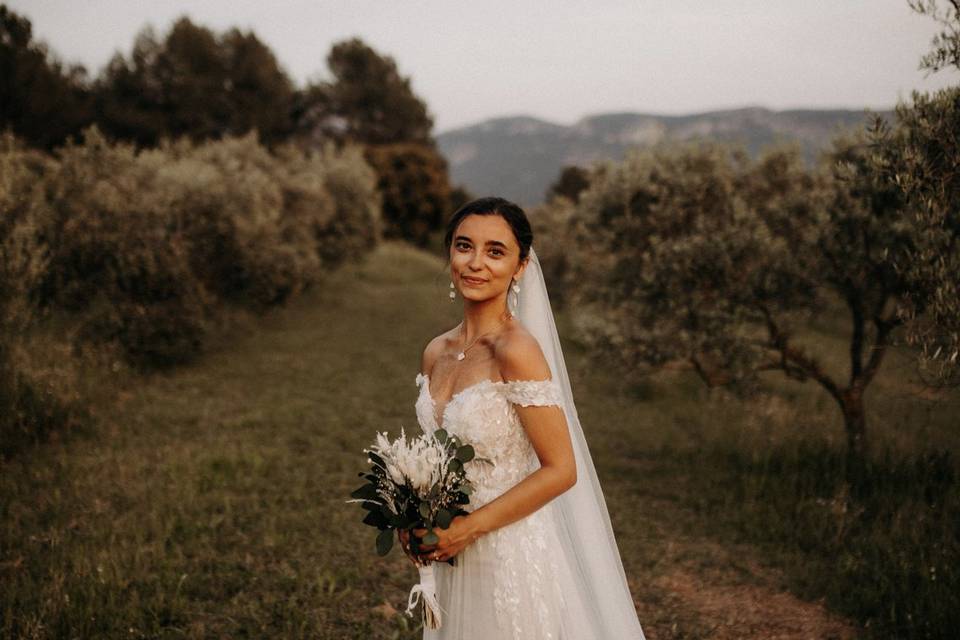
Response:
column 210, row 501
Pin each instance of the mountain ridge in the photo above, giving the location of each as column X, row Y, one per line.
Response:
column 518, row 156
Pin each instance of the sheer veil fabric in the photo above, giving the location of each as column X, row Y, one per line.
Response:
column 586, row 535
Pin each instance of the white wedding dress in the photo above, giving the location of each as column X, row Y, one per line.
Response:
column 514, row 582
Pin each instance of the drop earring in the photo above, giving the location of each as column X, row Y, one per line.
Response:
column 452, row 291
column 516, row 292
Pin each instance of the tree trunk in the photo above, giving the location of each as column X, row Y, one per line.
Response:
column 855, row 424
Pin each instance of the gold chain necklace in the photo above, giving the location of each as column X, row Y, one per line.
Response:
column 463, row 352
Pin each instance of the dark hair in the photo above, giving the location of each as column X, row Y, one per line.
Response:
column 492, row 205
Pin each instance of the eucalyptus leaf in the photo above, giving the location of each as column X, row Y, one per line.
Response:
column 375, row 519
column 384, row 542
column 444, row 518
column 366, row 491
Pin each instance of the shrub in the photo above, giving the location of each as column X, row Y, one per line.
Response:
column 332, row 195
column 113, row 259
column 552, row 238
column 142, row 248
column 416, row 193
column 227, row 200
column 29, row 410
column 356, row 225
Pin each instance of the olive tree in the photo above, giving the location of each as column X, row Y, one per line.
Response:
column 696, row 254
column 920, row 156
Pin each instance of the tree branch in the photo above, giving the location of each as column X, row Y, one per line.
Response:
column 884, row 327
column 712, row 378
column 777, row 363
column 791, row 356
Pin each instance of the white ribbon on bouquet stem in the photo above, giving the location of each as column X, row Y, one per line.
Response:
column 427, row 590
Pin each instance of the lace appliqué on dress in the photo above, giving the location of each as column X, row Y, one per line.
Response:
column 533, row 392
column 526, row 567
column 526, row 586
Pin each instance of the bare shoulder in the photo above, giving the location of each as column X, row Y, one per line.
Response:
column 435, row 349
column 519, row 355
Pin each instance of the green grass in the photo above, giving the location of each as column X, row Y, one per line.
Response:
column 883, row 551
column 209, row 502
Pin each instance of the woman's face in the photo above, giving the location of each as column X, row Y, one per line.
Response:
column 484, row 257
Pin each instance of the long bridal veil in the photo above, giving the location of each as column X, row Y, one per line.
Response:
column 586, row 535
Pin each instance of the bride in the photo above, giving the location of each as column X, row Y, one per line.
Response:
column 536, row 557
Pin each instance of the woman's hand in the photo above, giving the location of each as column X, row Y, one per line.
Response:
column 453, row 539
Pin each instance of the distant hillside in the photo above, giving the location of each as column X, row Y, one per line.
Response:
column 519, row 157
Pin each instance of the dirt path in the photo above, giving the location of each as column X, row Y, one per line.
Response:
column 728, row 606
column 698, row 588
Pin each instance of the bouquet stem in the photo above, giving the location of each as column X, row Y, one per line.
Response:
column 427, row 588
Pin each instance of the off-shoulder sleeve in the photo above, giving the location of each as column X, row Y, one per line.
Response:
column 420, row 378
column 533, row 392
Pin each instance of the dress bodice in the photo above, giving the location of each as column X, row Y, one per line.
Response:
column 483, row 415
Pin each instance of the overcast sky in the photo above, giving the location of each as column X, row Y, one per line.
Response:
column 563, row 59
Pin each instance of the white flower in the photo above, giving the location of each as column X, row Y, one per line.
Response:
column 420, row 461
column 394, row 472
column 421, row 475
column 382, row 443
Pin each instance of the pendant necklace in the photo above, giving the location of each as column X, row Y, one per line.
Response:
column 463, row 352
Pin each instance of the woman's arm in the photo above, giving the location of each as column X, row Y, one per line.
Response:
column 430, row 354
column 546, row 426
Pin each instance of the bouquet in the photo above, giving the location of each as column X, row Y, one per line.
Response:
column 420, row 483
